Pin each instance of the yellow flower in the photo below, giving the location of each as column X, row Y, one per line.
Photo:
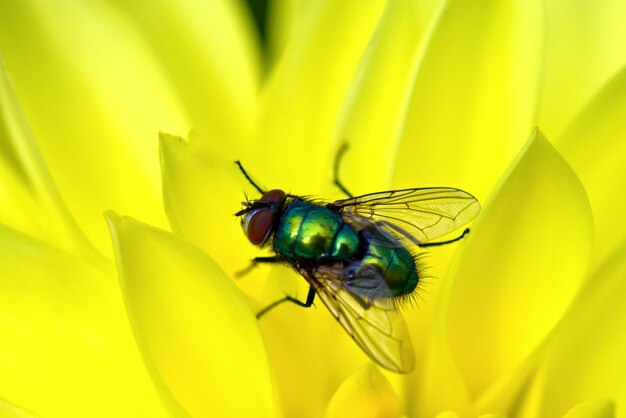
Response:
column 524, row 317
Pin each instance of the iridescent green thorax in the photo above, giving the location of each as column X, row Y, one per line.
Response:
column 314, row 233
column 394, row 263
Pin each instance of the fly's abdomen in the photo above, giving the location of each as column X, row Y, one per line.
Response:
column 310, row 232
column 394, row 264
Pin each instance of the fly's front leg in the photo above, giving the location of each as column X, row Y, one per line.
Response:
column 310, row 297
column 256, row 260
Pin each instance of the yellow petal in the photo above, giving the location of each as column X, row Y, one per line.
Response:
column 595, row 146
column 29, row 199
column 96, row 109
column 305, row 92
column 197, row 335
column 588, row 33
column 283, row 17
column 447, row 414
column 593, row 409
column 307, row 342
column 9, row 410
column 585, row 359
column 365, row 394
column 523, row 263
column 201, row 191
column 210, row 56
column 475, row 93
column 67, row 349
column 375, row 108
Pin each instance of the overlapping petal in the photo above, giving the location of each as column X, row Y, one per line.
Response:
column 96, row 98
column 283, row 16
column 595, row 145
column 196, row 333
column 583, row 52
column 375, row 107
column 29, row 199
column 67, row 349
column 474, row 97
column 209, row 55
column 306, row 89
column 525, row 260
column 585, row 358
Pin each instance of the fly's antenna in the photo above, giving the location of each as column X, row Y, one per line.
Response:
column 248, row 177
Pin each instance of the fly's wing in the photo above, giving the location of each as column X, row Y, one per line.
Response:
column 374, row 323
column 418, row 215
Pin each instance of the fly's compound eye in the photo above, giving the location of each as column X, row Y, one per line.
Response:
column 257, row 225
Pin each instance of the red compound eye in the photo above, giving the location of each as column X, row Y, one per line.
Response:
column 275, row 195
column 258, row 224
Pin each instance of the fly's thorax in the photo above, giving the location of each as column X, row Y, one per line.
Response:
column 395, row 264
column 310, row 232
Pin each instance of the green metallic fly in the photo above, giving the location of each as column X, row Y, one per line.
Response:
column 358, row 254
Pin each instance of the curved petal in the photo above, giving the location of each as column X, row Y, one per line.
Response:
column 522, row 265
column 588, row 32
column 585, row 358
column 29, row 199
column 374, row 110
column 305, row 91
column 595, row 145
column 67, row 348
column 365, row 394
column 97, row 107
column 474, row 96
column 195, row 331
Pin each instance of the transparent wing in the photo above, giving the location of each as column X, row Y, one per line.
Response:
column 375, row 324
column 418, row 215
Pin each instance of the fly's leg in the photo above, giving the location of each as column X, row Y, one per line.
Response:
column 437, row 244
column 310, row 297
column 336, row 181
column 255, row 261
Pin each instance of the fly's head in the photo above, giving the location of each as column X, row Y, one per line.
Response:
column 258, row 216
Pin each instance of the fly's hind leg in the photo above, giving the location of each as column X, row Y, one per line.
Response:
column 310, row 297
column 257, row 260
column 336, row 181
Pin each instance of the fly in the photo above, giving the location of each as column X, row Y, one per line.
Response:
column 358, row 254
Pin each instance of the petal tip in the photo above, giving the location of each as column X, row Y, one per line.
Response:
column 171, row 138
column 602, row 408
